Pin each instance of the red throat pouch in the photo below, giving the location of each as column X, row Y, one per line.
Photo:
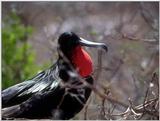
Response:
column 82, row 61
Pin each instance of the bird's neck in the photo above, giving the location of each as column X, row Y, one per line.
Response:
column 82, row 61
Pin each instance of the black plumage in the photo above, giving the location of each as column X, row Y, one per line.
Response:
column 56, row 93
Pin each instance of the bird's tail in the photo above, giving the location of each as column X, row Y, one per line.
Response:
column 10, row 112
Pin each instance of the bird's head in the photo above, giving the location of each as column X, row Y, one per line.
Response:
column 71, row 47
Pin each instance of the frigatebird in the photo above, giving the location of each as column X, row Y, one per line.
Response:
column 59, row 92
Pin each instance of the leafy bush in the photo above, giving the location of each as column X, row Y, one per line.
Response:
column 18, row 58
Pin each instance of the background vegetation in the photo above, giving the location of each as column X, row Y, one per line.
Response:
column 18, row 57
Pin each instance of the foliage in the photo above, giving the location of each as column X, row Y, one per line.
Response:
column 18, row 58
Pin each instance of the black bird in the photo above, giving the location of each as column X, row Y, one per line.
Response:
column 59, row 92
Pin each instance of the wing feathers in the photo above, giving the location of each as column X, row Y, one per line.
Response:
column 44, row 81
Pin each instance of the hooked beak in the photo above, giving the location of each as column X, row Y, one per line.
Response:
column 87, row 43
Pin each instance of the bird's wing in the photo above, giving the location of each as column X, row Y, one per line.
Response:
column 44, row 81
